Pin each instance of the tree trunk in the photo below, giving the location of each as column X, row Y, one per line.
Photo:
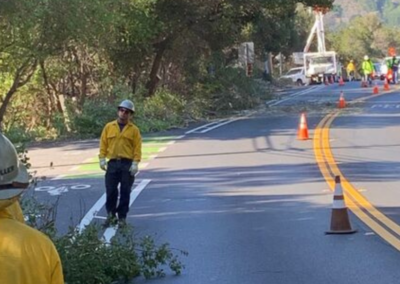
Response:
column 5, row 103
column 28, row 67
column 154, row 77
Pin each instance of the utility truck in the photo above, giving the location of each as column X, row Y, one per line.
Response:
column 322, row 65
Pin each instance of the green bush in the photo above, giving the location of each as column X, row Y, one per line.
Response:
column 230, row 90
column 87, row 259
column 94, row 115
column 160, row 112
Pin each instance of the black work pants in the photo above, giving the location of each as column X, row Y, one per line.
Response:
column 118, row 174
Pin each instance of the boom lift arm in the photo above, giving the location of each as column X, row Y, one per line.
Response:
column 318, row 28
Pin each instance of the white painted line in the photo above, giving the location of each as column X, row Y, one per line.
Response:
column 111, row 231
column 77, row 167
column 179, row 137
column 171, row 142
column 100, row 217
column 73, row 168
column 92, row 213
column 59, row 177
column 162, row 149
column 382, row 102
column 219, row 125
column 203, row 126
column 309, row 90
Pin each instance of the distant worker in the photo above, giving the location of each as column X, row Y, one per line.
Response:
column 393, row 65
column 368, row 70
column 351, row 69
column 121, row 144
column 26, row 255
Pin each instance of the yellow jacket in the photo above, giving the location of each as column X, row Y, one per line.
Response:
column 26, row 255
column 351, row 67
column 116, row 144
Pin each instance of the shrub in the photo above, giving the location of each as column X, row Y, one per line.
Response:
column 94, row 115
column 87, row 259
column 160, row 112
column 230, row 90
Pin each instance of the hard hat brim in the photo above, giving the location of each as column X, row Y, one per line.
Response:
column 18, row 185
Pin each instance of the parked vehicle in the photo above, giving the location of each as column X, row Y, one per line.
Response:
column 297, row 75
column 319, row 65
column 384, row 68
column 378, row 68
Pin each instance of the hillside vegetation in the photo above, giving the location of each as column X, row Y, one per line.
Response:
column 345, row 10
column 65, row 65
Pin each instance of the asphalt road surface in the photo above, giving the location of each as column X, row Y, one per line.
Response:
column 247, row 199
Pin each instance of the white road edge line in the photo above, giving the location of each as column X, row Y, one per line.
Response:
column 218, row 125
column 110, row 232
column 92, row 213
column 204, row 126
column 274, row 102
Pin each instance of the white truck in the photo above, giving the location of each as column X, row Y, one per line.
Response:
column 320, row 65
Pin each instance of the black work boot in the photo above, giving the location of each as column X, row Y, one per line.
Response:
column 110, row 221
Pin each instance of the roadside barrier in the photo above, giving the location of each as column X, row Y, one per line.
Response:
column 340, row 223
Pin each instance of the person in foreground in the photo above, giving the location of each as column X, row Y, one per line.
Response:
column 121, row 144
column 27, row 256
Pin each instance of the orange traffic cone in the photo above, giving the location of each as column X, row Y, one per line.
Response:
column 340, row 222
column 341, row 82
column 342, row 102
column 386, row 85
column 302, row 133
column 376, row 90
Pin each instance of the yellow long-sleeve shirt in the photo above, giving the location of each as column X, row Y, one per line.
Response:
column 26, row 255
column 351, row 67
column 116, row 144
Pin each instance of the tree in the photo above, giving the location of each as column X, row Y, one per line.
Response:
column 19, row 48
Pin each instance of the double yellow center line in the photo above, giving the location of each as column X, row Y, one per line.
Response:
column 355, row 201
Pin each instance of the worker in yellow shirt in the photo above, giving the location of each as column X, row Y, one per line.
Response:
column 121, row 144
column 26, row 255
column 351, row 69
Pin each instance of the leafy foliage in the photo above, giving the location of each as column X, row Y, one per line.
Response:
column 364, row 35
column 57, row 55
column 86, row 258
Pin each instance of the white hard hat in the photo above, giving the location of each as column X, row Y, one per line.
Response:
column 14, row 177
column 366, row 57
column 128, row 105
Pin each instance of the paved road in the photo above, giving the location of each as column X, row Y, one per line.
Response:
column 248, row 200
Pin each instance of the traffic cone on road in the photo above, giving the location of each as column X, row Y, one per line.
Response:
column 376, row 89
column 341, row 82
column 342, row 102
column 386, row 85
column 302, row 133
column 340, row 222
column 330, row 79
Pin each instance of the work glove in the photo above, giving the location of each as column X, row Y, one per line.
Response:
column 103, row 164
column 134, row 168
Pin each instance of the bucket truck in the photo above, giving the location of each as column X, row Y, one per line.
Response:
column 322, row 64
